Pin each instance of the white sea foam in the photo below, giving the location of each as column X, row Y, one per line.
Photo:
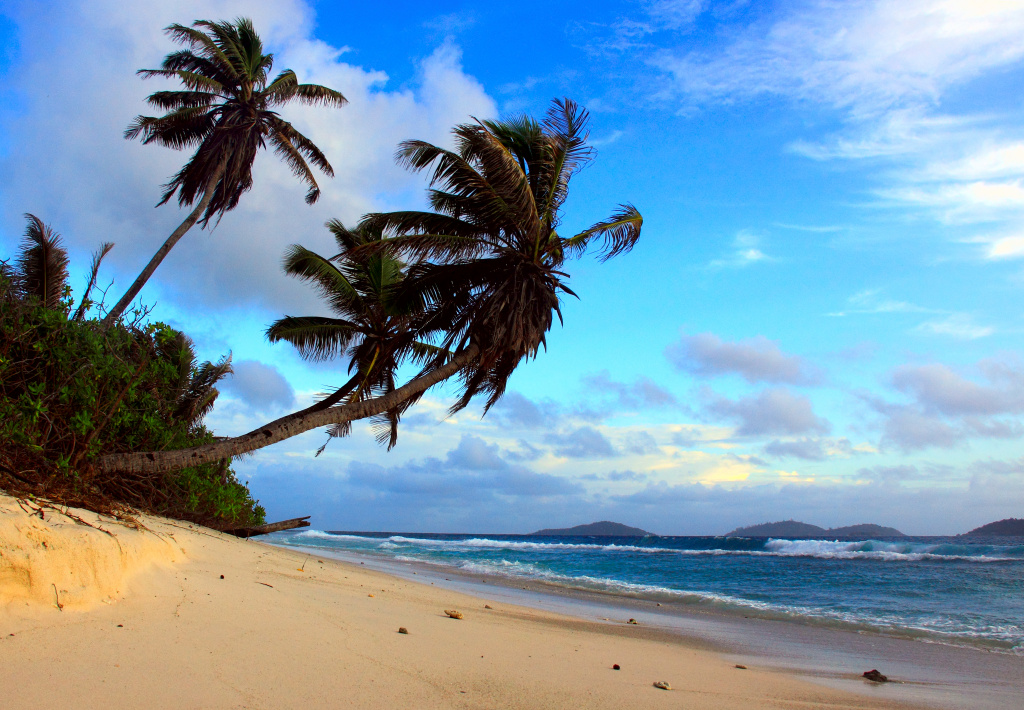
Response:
column 951, row 630
column 820, row 549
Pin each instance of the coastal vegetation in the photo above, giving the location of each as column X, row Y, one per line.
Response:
column 71, row 388
column 107, row 411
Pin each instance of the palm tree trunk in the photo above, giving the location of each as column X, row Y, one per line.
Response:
column 283, row 428
column 164, row 250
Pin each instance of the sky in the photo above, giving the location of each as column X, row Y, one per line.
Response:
column 820, row 322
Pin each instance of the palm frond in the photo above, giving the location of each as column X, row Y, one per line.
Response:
column 619, row 234
column 316, row 338
column 43, row 263
column 97, row 258
column 332, row 284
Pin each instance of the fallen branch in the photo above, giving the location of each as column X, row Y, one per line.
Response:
column 289, row 524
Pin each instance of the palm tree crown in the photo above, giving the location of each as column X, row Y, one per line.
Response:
column 41, row 271
column 488, row 257
column 227, row 112
column 369, row 326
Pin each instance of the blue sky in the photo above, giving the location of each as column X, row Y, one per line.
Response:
column 822, row 320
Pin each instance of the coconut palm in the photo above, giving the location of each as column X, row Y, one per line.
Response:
column 41, row 271
column 367, row 327
column 227, row 112
column 485, row 270
column 193, row 385
column 489, row 255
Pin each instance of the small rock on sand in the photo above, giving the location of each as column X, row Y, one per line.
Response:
column 369, row 595
column 662, row 684
column 632, row 621
column 488, row 606
column 453, row 613
column 403, row 630
column 876, row 677
column 616, row 667
column 742, row 668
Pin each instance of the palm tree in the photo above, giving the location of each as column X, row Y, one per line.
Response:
column 194, row 391
column 41, row 272
column 368, row 326
column 227, row 112
column 490, row 254
column 485, row 265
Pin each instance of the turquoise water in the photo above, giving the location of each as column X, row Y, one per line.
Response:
column 951, row 590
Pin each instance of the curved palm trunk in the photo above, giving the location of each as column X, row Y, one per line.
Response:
column 283, row 428
column 164, row 250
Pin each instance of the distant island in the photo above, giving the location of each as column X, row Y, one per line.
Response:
column 605, row 528
column 1009, row 527
column 792, row 528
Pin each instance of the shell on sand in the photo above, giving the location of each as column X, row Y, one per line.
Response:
column 453, row 613
column 662, row 684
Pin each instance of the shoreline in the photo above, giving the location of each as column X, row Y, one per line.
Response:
column 936, row 674
column 219, row 622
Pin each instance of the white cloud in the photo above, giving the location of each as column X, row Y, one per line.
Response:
column 885, row 68
column 875, row 301
column 864, row 56
column 68, row 162
column 746, row 251
column 958, row 325
column 1007, row 247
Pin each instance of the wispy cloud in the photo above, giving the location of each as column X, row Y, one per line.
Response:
column 883, row 69
column 746, row 251
column 866, row 57
column 956, row 325
column 874, row 301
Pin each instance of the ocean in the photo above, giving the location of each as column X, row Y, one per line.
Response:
column 958, row 591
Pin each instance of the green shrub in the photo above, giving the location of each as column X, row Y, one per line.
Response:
column 72, row 389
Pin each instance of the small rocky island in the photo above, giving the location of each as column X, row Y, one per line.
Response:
column 1011, row 527
column 793, row 528
column 604, row 528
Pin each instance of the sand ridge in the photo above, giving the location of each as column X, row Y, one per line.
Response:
column 55, row 560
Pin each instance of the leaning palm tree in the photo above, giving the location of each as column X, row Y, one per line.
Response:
column 368, row 328
column 489, row 254
column 485, row 266
column 227, row 112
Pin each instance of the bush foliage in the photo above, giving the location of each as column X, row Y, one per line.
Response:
column 71, row 389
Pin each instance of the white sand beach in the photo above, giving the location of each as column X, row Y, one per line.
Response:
column 176, row 616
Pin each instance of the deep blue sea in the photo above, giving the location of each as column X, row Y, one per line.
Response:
column 952, row 590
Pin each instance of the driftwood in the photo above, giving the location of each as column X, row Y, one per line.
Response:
column 270, row 527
